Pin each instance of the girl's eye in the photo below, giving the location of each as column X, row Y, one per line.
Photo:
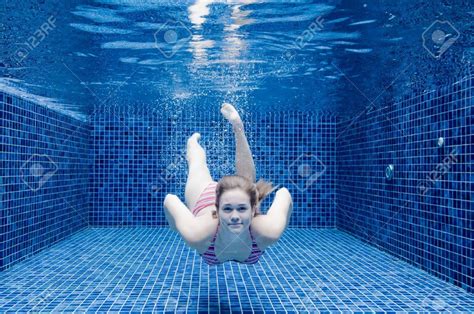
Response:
column 240, row 208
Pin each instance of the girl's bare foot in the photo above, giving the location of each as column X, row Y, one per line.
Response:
column 229, row 112
column 196, row 136
column 193, row 147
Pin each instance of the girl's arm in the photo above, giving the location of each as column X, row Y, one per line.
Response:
column 182, row 220
column 244, row 164
column 271, row 226
column 280, row 211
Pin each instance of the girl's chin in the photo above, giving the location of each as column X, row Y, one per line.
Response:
column 237, row 228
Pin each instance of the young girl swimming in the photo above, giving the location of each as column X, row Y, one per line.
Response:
column 222, row 220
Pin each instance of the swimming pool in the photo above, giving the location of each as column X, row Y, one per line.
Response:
column 363, row 110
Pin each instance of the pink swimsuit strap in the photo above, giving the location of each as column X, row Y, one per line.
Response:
column 207, row 198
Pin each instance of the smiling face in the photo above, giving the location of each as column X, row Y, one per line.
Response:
column 235, row 212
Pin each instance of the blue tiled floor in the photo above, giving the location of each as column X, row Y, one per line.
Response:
column 152, row 270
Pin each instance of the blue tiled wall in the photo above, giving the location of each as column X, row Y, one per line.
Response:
column 44, row 168
column 139, row 158
column 425, row 213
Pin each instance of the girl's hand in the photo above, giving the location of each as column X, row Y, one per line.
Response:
column 284, row 193
column 169, row 198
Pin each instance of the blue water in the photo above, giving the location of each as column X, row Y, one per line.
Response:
column 261, row 55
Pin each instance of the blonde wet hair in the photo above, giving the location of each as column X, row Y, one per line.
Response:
column 256, row 191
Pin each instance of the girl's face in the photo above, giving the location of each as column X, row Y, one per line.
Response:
column 235, row 212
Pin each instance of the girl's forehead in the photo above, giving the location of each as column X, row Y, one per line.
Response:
column 234, row 195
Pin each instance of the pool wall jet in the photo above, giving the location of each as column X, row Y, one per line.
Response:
column 424, row 213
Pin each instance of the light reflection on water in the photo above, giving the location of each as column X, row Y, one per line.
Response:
column 272, row 55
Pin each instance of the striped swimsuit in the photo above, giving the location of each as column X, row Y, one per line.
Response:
column 208, row 198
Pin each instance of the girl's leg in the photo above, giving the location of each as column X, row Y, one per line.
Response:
column 198, row 172
column 244, row 163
